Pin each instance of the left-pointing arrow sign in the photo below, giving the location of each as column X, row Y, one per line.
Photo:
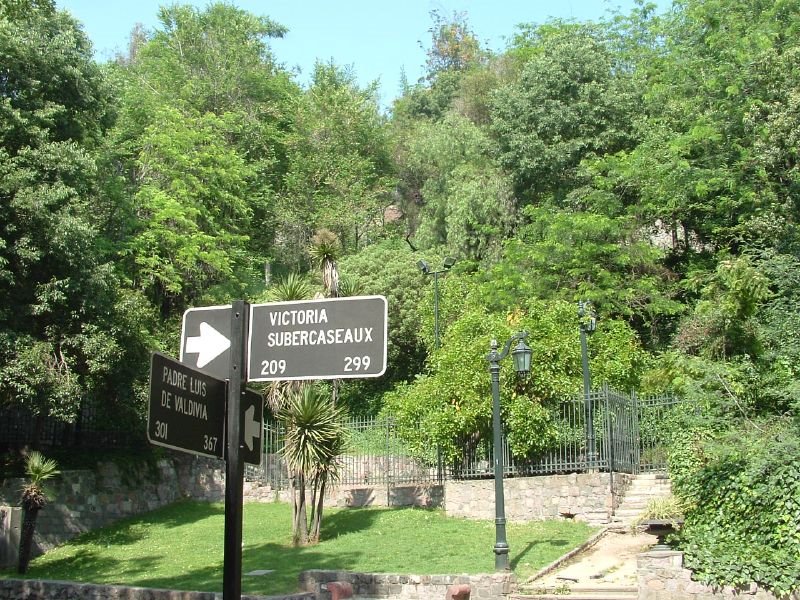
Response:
column 252, row 428
column 253, row 422
column 208, row 345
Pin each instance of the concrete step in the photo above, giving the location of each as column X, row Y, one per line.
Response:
column 599, row 592
column 653, row 475
column 659, row 491
column 583, row 596
column 649, row 485
column 650, row 488
column 626, row 514
column 639, row 499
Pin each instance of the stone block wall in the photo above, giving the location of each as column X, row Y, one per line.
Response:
column 82, row 500
column 10, row 530
column 14, row 589
column 356, row 496
column 495, row 586
column 580, row 496
column 661, row 576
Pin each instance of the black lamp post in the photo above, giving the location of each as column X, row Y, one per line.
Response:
column 447, row 264
column 521, row 355
column 587, row 323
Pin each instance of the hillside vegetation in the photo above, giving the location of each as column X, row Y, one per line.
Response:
column 648, row 163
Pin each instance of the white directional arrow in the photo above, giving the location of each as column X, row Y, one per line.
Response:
column 208, row 345
column 252, row 428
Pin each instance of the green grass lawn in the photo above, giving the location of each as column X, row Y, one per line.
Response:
column 181, row 547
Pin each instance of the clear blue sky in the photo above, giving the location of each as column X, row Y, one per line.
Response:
column 378, row 39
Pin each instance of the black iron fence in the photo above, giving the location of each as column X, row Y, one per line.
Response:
column 374, row 455
column 20, row 427
column 629, row 436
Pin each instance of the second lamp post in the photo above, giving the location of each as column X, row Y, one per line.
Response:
column 587, row 322
column 521, row 355
column 447, row 264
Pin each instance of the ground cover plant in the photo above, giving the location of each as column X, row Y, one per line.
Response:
column 181, row 547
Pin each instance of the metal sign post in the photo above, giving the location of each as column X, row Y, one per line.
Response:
column 334, row 338
column 234, row 465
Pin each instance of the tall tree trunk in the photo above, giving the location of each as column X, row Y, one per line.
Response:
column 300, row 524
column 316, row 517
column 26, row 538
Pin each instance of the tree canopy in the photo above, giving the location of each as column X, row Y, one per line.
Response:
column 646, row 162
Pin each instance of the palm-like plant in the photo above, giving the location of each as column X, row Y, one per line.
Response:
column 34, row 497
column 349, row 287
column 293, row 287
column 325, row 249
column 314, row 441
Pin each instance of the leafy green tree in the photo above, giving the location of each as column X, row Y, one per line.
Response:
column 778, row 319
column 68, row 334
column 389, row 269
column 339, row 174
column 456, row 195
column 454, row 52
column 723, row 323
column 454, row 46
column 193, row 217
column 712, row 165
column 204, row 82
column 569, row 104
column 572, row 255
column 450, row 406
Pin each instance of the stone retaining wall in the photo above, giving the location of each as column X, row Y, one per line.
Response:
column 31, row 589
column 83, row 500
column 493, row 586
column 661, row 576
column 580, row 496
column 354, row 496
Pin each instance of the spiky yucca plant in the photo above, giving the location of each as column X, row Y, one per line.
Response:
column 325, row 250
column 313, row 444
column 292, row 287
column 349, row 287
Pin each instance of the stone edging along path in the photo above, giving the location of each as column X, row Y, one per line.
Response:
column 39, row 589
column 315, row 584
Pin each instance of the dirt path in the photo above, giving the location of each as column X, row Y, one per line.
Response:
column 611, row 560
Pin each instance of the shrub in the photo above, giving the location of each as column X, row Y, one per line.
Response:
column 741, row 491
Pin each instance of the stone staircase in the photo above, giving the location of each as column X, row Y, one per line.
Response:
column 605, row 570
column 642, row 489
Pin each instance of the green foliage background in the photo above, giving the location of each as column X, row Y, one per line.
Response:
column 648, row 162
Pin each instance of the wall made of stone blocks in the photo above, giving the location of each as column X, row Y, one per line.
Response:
column 661, row 576
column 580, row 496
column 83, row 500
column 30, row 589
column 357, row 496
column 493, row 586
